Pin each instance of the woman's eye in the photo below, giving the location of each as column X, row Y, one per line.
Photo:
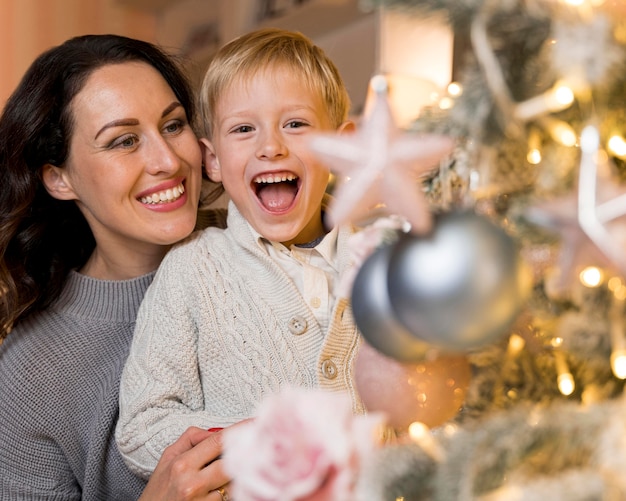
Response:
column 127, row 141
column 173, row 127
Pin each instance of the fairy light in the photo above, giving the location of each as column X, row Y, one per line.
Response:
column 533, row 156
column 591, row 277
column 563, row 133
column 516, row 344
column 421, row 435
column 617, row 146
column 614, row 283
column 534, row 153
column 591, row 394
column 560, row 131
column 563, row 95
column 455, row 89
column 566, row 383
column 618, row 363
column 564, row 378
column 446, row 103
column 558, row 98
column 618, row 337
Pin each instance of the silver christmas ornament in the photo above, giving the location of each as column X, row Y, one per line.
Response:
column 459, row 287
column 374, row 315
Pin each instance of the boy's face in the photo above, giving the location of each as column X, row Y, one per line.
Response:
column 260, row 152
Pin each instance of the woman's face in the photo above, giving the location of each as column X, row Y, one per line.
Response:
column 134, row 165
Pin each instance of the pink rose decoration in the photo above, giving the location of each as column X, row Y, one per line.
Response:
column 304, row 445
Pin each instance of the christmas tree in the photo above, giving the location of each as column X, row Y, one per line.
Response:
column 539, row 153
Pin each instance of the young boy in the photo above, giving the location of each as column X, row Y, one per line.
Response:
column 236, row 314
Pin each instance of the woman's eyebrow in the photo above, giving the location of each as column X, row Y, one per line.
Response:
column 134, row 121
column 117, row 123
column 170, row 108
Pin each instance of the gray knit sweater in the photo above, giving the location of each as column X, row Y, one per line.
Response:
column 221, row 326
column 59, row 385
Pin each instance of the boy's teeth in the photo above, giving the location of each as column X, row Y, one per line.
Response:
column 274, row 178
column 168, row 195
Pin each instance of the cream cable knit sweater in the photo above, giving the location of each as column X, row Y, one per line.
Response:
column 221, row 326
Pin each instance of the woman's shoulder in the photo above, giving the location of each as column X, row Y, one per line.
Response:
column 34, row 359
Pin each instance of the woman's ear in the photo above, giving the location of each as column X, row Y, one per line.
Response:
column 56, row 181
column 210, row 161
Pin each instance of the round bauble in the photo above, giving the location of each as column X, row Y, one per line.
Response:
column 374, row 315
column 459, row 287
column 431, row 391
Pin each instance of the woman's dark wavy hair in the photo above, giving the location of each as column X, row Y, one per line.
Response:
column 41, row 238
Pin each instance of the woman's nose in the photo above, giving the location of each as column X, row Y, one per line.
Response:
column 162, row 157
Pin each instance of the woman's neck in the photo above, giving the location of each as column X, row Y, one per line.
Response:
column 104, row 266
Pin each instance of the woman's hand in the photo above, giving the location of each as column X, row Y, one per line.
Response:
column 190, row 469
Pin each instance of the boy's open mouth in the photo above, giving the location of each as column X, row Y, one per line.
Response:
column 277, row 190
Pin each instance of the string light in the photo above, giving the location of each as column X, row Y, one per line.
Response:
column 446, row 103
column 556, row 99
column 455, row 89
column 516, row 344
column 534, row 156
column 584, row 7
column 618, row 338
column 617, row 146
column 564, row 378
column 560, row 131
column 591, row 277
column 421, row 435
column 534, row 153
column 618, row 363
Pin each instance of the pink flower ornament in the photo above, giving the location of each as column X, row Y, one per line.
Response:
column 303, row 445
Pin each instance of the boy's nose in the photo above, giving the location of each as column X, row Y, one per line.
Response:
column 271, row 146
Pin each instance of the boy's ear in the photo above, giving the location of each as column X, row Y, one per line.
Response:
column 57, row 183
column 210, row 161
column 346, row 127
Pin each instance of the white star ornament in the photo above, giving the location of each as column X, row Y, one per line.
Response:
column 381, row 165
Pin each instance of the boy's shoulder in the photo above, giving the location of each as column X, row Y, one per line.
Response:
column 198, row 239
column 196, row 252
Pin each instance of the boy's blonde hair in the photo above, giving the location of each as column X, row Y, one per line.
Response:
column 261, row 49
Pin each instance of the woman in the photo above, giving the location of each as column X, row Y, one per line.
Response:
column 100, row 173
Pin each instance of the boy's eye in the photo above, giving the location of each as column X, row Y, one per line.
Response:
column 242, row 129
column 294, row 124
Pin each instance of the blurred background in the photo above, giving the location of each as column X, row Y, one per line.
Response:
column 361, row 39
column 191, row 28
